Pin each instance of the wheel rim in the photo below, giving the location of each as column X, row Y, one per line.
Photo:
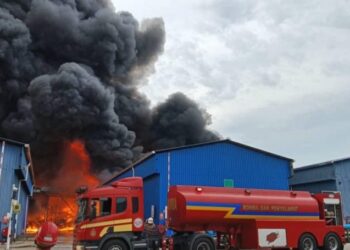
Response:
column 332, row 243
column 115, row 247
column 203, row 246
column 308, row 244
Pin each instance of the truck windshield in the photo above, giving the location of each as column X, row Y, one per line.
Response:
column 82, row 210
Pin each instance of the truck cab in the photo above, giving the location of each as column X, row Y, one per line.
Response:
column 330, row 208
column 111, row 215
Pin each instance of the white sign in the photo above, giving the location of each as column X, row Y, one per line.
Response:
column 272, row 237
column 331, row 201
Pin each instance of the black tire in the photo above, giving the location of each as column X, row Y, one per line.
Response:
column 332, row 242
column 203, row 243
column 180, row 242
column 115, row 245
column 307, row 242
column 179, row 246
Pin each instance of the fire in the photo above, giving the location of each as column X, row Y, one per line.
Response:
column 75, row 170
column 32, row 230
column 58, row 204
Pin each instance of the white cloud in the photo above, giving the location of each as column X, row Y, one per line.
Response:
column 273, row 74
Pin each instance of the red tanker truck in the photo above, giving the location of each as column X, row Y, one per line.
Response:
column 208, row 218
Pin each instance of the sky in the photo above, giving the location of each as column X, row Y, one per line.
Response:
column 273, row 74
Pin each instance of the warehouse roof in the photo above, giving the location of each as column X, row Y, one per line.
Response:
column 322, row 164
column 27, row 152
column 12, row 141
column 228, row 141
column 152, row 153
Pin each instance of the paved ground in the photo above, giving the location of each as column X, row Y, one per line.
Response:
column 28, row 244
column 64, row 243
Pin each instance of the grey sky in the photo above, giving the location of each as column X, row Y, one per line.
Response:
column 273, row 74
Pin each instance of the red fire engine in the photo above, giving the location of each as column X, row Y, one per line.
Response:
column 209, row 218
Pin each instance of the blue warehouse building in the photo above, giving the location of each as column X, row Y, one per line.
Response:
column 327, row 176
column 219, row 163
column 16, row 181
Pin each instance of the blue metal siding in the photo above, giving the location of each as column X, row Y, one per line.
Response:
column 316, row 187
column 308, row 175
column 27, row 182
column 342, row 172
column 162, row 164
column 151, row 195
column 11, row 159
column 21, row 217
column 14, row 159
column 208, row 165
column 211, row 164
column 332, row 176
column 143, row 170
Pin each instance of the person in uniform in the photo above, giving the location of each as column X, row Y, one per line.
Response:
column 152, row 233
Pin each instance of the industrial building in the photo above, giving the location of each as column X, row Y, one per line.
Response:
column 219, row 163
column 16, row 182
column 326, row 176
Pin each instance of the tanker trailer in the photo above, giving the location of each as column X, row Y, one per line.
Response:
column 253, row 218
column 112, row 217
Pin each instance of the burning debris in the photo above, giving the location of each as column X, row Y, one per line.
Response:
column 58, row 209
column 70, row 72
column 57, row 203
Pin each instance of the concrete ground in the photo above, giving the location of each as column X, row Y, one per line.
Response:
column 64, row 243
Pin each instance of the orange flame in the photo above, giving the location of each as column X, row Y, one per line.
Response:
column 59, row 204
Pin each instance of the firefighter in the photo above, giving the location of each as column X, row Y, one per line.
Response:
column 152, row 233
column 150, row 229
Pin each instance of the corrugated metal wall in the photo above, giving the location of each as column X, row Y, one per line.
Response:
column 23, row 194
column 331, row 176
column 324, row 173
column 209, row 164
column 7, row 178
column 14, row 158
column 151, row 202
column 316, row 187
column 342, row 173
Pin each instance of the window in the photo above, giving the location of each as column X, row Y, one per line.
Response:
column 101, row 207
column 82, row 210
column 106, row 205
column 135, row 205
column 121, row 204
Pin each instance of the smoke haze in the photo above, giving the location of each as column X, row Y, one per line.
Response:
column 71, row 70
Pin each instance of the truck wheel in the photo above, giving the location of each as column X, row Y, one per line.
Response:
column 114, row 245
column 307, row 242
column 332, row 242
column 203, row 244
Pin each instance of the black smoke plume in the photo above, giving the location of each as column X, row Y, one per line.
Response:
column 70, row 69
